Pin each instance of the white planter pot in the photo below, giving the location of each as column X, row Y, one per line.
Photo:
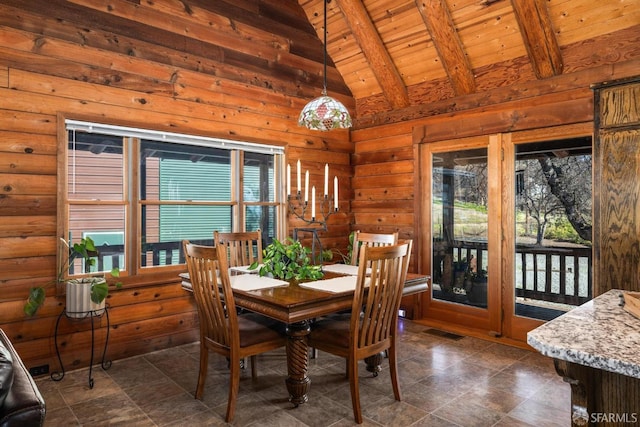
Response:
column 79, row 302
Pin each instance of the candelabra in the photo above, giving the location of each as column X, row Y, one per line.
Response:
column 298, row 208
column 301, row 208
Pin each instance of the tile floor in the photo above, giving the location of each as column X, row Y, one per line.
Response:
column 445, row 382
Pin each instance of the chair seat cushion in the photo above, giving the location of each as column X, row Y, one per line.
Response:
column 255, row 329
column 330, row 331
column 6, row 372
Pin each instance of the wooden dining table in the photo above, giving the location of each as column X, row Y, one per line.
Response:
column 297, row 306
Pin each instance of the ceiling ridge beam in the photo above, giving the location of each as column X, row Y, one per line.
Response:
column 538, row 36
column 437, row 18
column 369, row 40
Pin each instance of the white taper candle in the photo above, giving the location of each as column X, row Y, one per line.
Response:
column 298, row 173
column 326, row 179
column 335, row 192
column 306, row 186
column 313, row 202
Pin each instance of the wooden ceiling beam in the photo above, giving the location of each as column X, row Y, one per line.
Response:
column 373, row 48
column 437, row 18
column 538, row 36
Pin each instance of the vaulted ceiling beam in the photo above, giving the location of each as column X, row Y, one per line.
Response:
column 367, row 37
column 539, row 39
column 437, row 18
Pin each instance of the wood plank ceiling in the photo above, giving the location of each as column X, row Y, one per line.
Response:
column 393, row 54
column 390, row 60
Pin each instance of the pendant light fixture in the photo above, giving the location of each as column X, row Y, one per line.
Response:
column 324, row 112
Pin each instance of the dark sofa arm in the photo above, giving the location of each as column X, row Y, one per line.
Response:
column 24, row 405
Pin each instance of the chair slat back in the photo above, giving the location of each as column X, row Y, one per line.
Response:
column 209, row 276
column 370, row 239
column 377, row 297
column 242, row 248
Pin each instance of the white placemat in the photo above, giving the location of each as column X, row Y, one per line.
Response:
column 252, row 282
column 244, row 269
column 336, row 285
column 351, row 270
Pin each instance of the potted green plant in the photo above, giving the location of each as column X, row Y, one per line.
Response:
column 84, row 294
column 287, row 260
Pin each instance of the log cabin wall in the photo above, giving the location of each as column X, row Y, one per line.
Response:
column 186, row 70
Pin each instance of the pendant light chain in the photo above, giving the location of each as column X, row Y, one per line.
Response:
column 324, row 112
column 324, row 72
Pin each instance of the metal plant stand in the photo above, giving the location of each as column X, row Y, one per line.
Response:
column 105, row 364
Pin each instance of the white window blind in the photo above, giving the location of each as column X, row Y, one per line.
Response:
column 172, row 137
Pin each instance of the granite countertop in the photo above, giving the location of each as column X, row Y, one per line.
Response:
column 599, row 334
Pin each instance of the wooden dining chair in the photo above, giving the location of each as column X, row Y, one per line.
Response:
column 221, row 329
column 361, row 239
column 243, row 248
column 373, row 324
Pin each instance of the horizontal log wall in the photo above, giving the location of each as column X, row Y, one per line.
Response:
column 184, row 70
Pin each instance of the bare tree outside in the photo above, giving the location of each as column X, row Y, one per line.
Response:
column 553, row 186
column 537, row 201
column 569, row 179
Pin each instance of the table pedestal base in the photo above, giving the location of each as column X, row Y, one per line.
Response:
column 297, row 362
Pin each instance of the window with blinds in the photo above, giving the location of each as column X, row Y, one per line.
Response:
column 154, row 189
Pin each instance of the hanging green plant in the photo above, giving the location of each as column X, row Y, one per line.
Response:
column 287, row 261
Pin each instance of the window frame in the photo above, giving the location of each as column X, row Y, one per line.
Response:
column 134, row 274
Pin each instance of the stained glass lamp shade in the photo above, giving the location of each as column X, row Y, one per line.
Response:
column 324, row 113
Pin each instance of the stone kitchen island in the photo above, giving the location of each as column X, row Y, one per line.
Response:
column 596, row 349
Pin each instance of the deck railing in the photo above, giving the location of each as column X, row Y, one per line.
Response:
column 562, row 275
column 554, row 274
column 544, row 273
column 164, row 253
